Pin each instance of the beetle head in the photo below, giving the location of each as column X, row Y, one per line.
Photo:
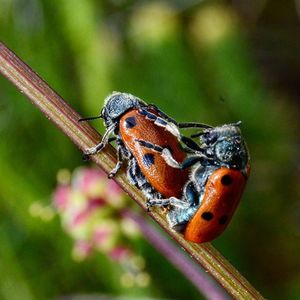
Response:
column 226, row 146
column 117, row 104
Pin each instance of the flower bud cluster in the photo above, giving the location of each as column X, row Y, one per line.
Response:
column 90, row 207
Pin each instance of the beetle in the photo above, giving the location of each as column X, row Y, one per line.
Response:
column 130, row 119
column 220, row 168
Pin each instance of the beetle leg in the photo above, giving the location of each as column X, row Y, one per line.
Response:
column 193, row 125
column 157, row 202
column 166, row 202
column 170, row 125
column 162, row 114
column 111, row 139
column 191, row 144
column 180, row 125
column 117, row 167
column 178, row 203
column 102, row 144
column 168, row 157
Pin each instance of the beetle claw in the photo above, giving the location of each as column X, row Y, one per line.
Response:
column 86, row 157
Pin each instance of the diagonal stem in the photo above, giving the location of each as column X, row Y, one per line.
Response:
column 84, row 136
column 180, row 261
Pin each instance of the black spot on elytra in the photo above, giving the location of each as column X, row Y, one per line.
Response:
column 148, row 160
column 130, row 122
column 223, row 220
column 207, row 216
column 226, row 180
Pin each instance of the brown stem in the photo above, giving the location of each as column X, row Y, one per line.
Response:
column 84, row 136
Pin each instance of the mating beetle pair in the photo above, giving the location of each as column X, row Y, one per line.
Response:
column 201, row 189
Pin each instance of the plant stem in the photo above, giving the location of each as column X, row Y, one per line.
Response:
column 84, row 136
column 184, row 264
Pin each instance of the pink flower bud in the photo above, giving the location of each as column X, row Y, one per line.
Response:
column 61, row 197
column 90, row 182
column 106, row 235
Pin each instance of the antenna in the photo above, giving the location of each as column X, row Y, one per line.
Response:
column 89, row 119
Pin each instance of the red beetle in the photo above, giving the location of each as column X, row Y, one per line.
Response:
column 218, row 177
column 135, row 125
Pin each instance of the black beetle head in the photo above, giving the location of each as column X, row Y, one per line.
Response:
column 117, row 104
column 226, row 146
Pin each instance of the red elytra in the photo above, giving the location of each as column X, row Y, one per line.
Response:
column 166, row 180
column 222, row 195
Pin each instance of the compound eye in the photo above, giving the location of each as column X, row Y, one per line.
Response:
column 208, row 137
column 211, row 137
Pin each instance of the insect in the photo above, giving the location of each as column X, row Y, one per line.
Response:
column 132, row 122
column 220, row 168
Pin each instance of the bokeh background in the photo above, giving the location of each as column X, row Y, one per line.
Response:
column 209, row 61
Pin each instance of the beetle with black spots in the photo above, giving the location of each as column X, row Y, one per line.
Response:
column 133, row 122
column 220, row 169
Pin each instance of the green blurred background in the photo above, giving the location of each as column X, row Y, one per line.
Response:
column 209, row 61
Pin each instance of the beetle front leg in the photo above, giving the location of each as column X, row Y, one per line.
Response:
column 102, row 144
column 180, row 125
